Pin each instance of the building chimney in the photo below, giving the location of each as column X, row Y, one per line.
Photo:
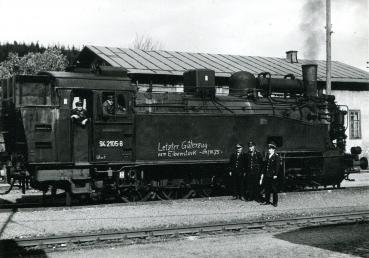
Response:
column 291, row 56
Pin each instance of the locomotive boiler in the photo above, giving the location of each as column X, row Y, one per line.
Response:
column 167, row 144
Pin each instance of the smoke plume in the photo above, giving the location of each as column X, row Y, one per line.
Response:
column 312, row 27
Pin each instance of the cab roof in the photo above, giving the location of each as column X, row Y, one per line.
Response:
column 91, row 81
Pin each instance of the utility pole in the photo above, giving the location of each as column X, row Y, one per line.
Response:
column 328, row 47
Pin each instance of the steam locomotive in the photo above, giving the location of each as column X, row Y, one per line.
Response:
column 162, row 144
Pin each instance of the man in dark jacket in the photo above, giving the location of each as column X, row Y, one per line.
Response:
column 237, row 172
column 254, row 161
column 110, row 108
column 269, row 178
column 79, row 114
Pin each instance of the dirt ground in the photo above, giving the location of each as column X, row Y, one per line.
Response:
column 332, row 241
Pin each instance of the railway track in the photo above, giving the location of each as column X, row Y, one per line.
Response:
column 154, row 234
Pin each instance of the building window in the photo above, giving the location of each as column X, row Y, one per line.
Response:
column 355, row 124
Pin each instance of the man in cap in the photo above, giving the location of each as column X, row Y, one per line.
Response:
column 270, row 174
column 109, row 107
column 237, row 171
column 79, row 114
column 254, row 161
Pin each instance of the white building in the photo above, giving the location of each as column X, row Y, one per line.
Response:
column 357, row 119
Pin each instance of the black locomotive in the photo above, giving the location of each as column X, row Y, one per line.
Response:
column 150, row 144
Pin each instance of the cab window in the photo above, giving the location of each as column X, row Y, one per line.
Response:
column 35, row 94
column 114, row 104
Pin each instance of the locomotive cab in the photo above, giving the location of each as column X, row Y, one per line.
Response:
column 101, row 138
column 42, row 137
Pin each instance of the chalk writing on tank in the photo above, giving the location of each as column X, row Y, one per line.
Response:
column 186, row 148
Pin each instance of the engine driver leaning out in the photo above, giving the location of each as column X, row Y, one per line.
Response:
column 79, row 114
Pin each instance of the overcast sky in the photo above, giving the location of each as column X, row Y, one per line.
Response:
column 243, row 27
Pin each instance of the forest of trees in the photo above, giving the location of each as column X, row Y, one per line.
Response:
column 22, row 49
column 21, row 58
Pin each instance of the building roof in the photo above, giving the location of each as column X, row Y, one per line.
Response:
column 159, row 62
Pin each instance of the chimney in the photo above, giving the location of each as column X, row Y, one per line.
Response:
column 291, row 56
column 309, row 77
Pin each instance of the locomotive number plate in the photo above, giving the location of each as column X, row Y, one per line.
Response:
column 110, row 144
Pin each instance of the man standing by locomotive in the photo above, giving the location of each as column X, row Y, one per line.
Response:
column 269, row 177
column 254, row 161
column 237, row 172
